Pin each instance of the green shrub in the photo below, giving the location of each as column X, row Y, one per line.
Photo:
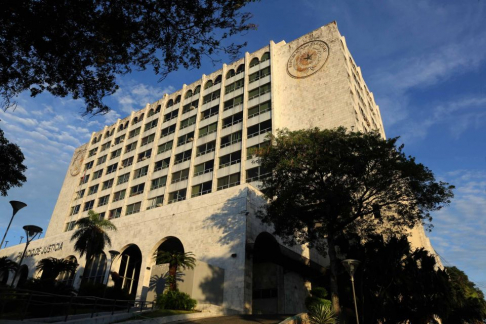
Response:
column 316, row 298
column 322, row 314
column 175, row 300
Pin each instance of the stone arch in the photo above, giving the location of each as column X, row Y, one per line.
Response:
column 68, row 278
column 254, row 61
column 265, row 57
column 197, row 90
column 208, row 84
column 188, row 94
column 120, row 128
column 129, row 267
column 170, row 103
column 240, row 69
column 157, row 110
column 218, row 79
column 177, row 99
column 231, row 73
column 95, row 270
column 135, row 120
column 151, row 113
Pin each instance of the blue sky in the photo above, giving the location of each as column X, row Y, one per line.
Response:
column 425, row 62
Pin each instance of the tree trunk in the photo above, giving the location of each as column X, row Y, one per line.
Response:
column 172, row 275
column 334, row 273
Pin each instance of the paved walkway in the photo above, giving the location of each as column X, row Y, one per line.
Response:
column 240, row 319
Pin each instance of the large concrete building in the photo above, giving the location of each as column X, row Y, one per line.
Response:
column 180, row 175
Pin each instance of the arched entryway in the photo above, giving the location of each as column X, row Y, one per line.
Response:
column 129, row 270
column 95, row 271
column 67, row 278
column 23, row 276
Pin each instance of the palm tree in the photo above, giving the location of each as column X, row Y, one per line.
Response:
column 177, row 261
column 91, row 237
column 6, row 266
column 52, row 267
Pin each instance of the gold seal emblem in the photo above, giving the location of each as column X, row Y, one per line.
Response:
column 77, row 162
column 307, row 59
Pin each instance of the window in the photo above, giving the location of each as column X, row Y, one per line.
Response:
column 217, row 80
column 259, row 74
column 88, row 165
column 231, row 139
column 74, row 210
column 115, row 154
column 93, row 189
column 240, row 69
column 234, row 86
column 204, row 168
column 183, row 156
column 258, row 129
column 201, row 189
column 70, row 226
column 101, row 160
column 212, row 96
column 261, row 90
column 101, row 215
column 265, row 57
column 134, row 132
column 229, row 159
column 250, row 151
column 165, row 147
column 188, row 94
column 208, row 84
column 115, row 213
column 233, row 120
column 233, row 102
column 127, row 162
column 155, row 202
column 105, row 146
column 107, row 184
column 171, row 115
column 137, row 190
column 229, row 181
column 162, row 164
column 231, row 73
column 180, row 175
column 123, row 178
column 186, row 138
column 158, row 183
column 111, row 168
column 92, row 152
column 144, row 155
column 177, row 196
column 206, row 130
column 190, row 106
column 147, row 139
column 197, row 90
column 119, row 195
column 84, row 179
column 170, row 103
column 79, row 194
column 210, row 112
column 254, row 61
column 88, row 205
column 259, row 109
column 177, row 99
column 133, row 208
column 103, row 200
column 205, row 148
column 168, row 130
column 188, row 122
column 140, row 172
column 95, row 271
column 130, row 147
column 256, row 174
column 119, row 139
column 150, row 125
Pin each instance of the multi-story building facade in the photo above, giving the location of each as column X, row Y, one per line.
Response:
column 180, row 175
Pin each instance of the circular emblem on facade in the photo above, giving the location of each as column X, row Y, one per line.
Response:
column 307, row 59
column 77, row 162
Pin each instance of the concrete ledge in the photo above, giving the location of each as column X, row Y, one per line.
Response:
column 176, row 318
column 301, row 318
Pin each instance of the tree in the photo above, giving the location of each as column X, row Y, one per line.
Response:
column 468, row 304
column 326, row 183
column 6, row 266
column 11, row 159
column 79, row 48
column 51, row 268
column 90, row 237
column 177, row 261
column 395, row 283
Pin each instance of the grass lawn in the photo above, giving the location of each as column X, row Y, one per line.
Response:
column 157, row 313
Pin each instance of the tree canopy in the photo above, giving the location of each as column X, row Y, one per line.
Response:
column 51, row 267
column 11, row 165
column 78, row 48
column 326, row 183
column 176, row 260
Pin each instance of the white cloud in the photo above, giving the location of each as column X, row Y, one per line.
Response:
column 134, row 95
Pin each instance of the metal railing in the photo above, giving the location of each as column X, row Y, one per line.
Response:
column 24, row 304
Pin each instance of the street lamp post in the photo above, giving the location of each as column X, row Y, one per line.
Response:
column 350, row 265
column 113, row 255
column 31, row 232
column 16, row 206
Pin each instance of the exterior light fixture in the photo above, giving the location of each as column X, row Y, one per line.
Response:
column 31, row 232
column 16, row 206
column 351, row 265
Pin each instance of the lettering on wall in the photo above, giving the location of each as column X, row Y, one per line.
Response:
column 42, row 250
